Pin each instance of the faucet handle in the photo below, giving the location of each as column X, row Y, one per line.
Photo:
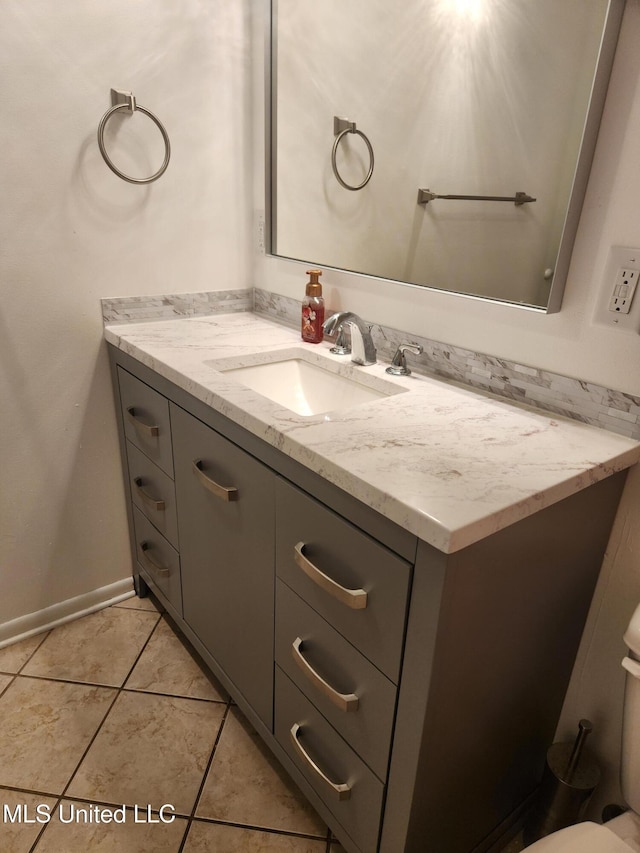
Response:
column 398, row 366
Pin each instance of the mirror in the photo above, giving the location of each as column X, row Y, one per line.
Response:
column 498, row 98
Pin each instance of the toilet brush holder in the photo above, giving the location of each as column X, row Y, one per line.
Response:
column 570, row 777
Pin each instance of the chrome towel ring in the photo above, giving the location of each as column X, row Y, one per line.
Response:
column 125, row 101
column 342, row 126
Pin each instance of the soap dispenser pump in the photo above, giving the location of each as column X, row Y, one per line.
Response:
column 313, row 309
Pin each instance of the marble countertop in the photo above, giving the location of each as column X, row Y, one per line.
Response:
column 450, row 464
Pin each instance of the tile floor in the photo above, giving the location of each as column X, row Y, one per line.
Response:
column 113, row 710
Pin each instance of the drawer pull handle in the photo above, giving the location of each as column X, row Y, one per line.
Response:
column 341, row 789
column 222, row 492
column 152, row 503
column 356, row 599
column 147, row 559
column 151, row 431
column 344, row 701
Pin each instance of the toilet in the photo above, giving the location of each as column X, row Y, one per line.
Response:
column 622, row 834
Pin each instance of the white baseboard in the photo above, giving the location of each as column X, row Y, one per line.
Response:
column 65, row 611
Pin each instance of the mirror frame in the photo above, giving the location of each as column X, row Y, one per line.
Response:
column 604, row 65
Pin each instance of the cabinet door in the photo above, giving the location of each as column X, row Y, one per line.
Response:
column 226, row 503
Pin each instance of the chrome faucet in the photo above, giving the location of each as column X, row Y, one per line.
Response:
column 363, row 350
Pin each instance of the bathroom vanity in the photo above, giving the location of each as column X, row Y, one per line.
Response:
column 393, row 592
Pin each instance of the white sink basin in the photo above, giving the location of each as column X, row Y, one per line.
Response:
column 305, row 383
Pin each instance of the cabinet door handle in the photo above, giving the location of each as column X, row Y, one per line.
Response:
column 147, row 559
column 222, row 492
column 150, row 430
column 344, row 701
column 152, row 503
column 356, row 599
column 341, row 789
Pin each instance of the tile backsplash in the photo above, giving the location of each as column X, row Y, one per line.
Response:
column 137, row 309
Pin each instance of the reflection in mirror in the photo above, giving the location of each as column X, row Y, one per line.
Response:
column 497, row 98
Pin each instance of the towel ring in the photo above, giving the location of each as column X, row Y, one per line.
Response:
column 342, row 126
column 126, row 101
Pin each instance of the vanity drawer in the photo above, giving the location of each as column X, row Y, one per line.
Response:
column 354, row 696
column 145, row 414
column 325, row 760
column 354, row 582
column 153, row 492
column 158, row 560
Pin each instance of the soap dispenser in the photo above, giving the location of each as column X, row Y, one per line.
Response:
column 313, row 309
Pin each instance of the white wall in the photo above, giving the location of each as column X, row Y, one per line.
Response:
column 568, row 343
column 73, row 232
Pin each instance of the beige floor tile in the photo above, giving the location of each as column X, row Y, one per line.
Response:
column 4, row 681
column 81, row 835
column 246, row 785
column 45, row 727
column 151, row 749
column 166, row 666
column 100, row 648
column 135, row 603
column 17, row 834
column 215, row 838
column 13, row 658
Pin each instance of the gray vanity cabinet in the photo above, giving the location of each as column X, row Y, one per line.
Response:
column 411, row 694
column 226, row 527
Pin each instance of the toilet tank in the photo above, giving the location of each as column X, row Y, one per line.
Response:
column 630, row 774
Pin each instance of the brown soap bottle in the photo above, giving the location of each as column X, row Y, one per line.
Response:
column 313, row 309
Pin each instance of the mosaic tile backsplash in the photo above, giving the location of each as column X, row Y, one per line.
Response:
column 541, row 389
column 136, row 309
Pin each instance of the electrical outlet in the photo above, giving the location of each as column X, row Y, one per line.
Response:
column 616, row 305
column 624, row 287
